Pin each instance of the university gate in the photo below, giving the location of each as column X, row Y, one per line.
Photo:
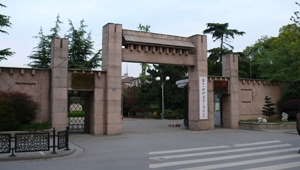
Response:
column 51, row 87
column 134, row 46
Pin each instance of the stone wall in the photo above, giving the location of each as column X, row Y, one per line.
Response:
column 34, row 82
column 252, row 96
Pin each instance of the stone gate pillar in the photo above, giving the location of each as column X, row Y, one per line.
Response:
column 231, row 102
column 59, row 83
column 195, row 72
column 112, row 63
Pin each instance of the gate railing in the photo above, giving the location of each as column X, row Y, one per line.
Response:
column 33, row 142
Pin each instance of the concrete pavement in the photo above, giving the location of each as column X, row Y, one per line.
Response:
column 130, row 127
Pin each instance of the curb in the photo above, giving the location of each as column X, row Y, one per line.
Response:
column 35, row 157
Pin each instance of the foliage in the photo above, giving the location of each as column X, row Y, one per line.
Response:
column 131, row 100
column 81, row 55
column 170, row 114
column 16, row 108
column 147, row 97
column 222, row 33
column 145, row 66
column 268, row 109
column 280, row 61
column 76, row 114
column 296, row 16
column 41, row 54
column 4, row 22
column 80, row 48
column 152, row 92
column 244, row 66
column 33, row 127
column 291, row 107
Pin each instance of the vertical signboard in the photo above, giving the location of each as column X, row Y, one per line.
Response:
column 203, row 110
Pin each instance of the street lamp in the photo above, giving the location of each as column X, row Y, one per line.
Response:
column 162, row 94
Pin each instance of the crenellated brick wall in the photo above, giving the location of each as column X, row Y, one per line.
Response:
column 34, row 82
column 252, row 96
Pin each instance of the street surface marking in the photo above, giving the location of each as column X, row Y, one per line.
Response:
column 212, row 147
column 185, row 162
column 270, row 151
column 219, row 152
column 277, row 167
column 253, row 161
column 258, row 143
column 188, row 150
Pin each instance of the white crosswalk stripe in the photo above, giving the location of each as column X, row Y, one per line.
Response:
column 228, row 156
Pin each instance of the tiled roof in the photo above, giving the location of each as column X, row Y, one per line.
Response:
column 158, row 41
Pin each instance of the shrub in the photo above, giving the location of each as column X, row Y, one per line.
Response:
column 33, row 127
column 291, row 107
column 268, row 109
column 76, row 114
column 170, row 114
column 16, row 108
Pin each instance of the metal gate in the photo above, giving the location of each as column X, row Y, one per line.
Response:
column 78, row 111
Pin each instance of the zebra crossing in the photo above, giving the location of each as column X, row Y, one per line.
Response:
column 253, row 156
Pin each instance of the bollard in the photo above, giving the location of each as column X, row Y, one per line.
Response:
column 53, row 145
column 67, row 138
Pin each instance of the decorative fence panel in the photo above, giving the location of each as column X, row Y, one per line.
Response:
column 5, row 143
column 33, row 142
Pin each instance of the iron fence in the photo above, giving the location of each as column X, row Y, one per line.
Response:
column 33, row 142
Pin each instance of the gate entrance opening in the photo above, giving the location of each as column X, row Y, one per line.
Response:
column 79, row 111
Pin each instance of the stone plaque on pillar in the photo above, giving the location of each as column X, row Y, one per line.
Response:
column 203, row 98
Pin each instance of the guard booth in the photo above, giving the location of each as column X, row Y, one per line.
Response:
column 220, row 88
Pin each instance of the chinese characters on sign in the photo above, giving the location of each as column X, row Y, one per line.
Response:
column 203, row 98
column 220, row 87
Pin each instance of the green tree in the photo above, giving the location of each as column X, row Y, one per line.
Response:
column 255, row 53
column 145, row 66
column 81, row 48
column 4, row 22
column 296, row 17
column 81, row 55
column 41, row 54
column 268, row 109
column 151, row 92
column 214, row 65
column 281, row 60
column 222, row 33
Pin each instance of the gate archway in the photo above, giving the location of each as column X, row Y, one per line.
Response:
column 134, row 46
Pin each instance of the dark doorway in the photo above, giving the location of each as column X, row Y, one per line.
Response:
column 218, row 117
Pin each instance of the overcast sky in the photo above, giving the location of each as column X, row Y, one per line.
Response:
column 174, row 17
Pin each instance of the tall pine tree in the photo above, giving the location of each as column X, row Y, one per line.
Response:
column 81, row 48
column 81, row 55
column 41, row 54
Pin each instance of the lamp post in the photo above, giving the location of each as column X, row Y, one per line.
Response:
column 162, row 94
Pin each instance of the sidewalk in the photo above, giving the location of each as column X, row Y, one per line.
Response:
column 41, row 154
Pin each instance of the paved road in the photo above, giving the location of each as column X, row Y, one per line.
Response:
column 151, row 144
